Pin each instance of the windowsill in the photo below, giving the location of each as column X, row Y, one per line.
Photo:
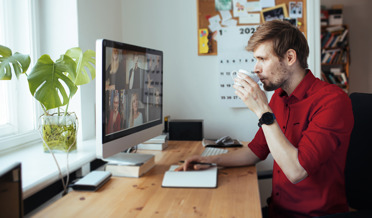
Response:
column 40, row 170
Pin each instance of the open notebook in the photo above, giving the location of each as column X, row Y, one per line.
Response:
column 190, row 179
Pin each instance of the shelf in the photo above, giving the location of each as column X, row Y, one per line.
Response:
column 335, row 58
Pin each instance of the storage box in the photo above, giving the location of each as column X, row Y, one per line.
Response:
column 186, row 130
column 335, row 17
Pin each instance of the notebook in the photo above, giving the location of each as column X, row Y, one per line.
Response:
column 92, row 181
column 190, row 179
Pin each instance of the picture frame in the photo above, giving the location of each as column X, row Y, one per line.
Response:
column 278, row 12
column 292, row 21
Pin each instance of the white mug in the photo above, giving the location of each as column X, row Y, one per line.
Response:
column 235, row 74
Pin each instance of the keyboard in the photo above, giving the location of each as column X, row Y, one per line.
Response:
column 209, row 151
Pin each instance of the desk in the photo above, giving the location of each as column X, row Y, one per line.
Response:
column 237, row 194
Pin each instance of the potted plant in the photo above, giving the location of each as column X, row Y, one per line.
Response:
column 53, row 84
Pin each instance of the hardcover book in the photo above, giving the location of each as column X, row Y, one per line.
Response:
column 130, row 165
column 153, row 146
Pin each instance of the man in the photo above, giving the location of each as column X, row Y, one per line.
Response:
column 306, row 126
column 135, row 74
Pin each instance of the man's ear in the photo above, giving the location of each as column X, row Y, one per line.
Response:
column 291, row 56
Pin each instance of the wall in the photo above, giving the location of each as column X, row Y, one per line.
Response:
column 97, row 20
column 356, row 16
column 56, row 29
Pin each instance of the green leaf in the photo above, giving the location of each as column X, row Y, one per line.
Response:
column 83, row 62
column 20, row 63
column 49, row 81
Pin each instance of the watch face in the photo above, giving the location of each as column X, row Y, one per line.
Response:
column 267, row 118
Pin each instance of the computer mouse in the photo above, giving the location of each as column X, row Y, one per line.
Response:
column 224, row 140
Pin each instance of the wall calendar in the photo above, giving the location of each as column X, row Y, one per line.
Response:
column 231, row 57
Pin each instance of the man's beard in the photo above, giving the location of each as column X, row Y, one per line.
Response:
column 279, row 82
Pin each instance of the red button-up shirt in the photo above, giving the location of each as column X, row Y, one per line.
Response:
column 317, row 119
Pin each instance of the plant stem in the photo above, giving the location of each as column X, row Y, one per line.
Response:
column 45, row 111
column 69, row 98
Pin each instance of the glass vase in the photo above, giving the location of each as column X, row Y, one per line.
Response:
column 59, row 132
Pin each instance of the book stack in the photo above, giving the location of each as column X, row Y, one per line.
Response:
column 129, row 164
column 334, row 37
column 334, row 56
column 335, row 76
column 158, row 143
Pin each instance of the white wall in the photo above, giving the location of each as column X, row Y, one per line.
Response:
column 357, row 17
column 57, row 27
column 97, row 19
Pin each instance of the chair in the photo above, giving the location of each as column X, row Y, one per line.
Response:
column 358, row 169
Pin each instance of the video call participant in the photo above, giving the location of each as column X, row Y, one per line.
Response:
column 115, row 75
column 306, row 126
column 135, row 74
column 114, row 118
column 155, row 106
column 135, row 116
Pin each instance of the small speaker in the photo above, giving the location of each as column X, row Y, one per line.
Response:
column 186, row 130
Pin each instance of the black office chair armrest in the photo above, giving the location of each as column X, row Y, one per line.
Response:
column 265, row 174
column 354, row 214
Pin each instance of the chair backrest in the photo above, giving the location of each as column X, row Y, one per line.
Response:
column 358, row 170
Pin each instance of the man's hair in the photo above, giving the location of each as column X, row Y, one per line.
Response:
column 284, row 36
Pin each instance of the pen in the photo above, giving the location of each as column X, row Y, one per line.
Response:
column 199, row 163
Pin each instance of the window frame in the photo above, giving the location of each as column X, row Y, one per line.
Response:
column 22, row 129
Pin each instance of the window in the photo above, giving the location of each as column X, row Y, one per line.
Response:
column 18, row 113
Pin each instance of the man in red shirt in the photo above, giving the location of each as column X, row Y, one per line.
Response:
column 306, row 126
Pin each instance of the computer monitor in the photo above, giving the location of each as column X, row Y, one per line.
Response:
column 11, row 200
column 129, row 103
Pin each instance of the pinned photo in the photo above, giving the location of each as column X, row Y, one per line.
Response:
column 278, row 12
column 295, row 9
column 223, row 5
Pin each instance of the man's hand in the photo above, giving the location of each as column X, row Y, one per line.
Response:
column 251, row 94
column 188, row 165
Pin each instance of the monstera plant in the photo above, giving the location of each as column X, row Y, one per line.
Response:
column 19, row 62
column 53, row 84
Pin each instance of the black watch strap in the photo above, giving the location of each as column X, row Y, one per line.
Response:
column 267, row 119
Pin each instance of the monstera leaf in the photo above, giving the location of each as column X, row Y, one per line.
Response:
column 51, row 83
column 84, row 61
column 18, row 63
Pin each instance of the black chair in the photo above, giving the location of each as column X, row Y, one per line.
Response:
column 358, row 169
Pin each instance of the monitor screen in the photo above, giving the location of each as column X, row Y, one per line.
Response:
column 129, row 87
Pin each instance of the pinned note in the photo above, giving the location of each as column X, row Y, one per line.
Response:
column 203, row 41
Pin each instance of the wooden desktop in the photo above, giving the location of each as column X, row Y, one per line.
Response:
column 237, row 193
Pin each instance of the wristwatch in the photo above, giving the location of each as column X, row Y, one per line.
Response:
column 267, row 118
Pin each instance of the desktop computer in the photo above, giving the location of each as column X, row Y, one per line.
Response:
column 129, row 96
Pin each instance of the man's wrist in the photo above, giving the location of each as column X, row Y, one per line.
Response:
column 264, row 110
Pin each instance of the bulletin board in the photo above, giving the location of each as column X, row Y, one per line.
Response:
column 206, row 9
column 225, row 33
